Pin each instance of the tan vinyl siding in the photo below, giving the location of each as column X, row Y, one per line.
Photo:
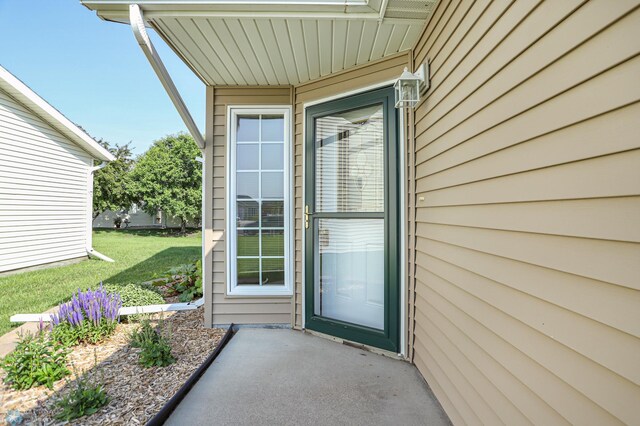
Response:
column 43, row 191
column 360, row 77
column 528, row 203
column 235, row 309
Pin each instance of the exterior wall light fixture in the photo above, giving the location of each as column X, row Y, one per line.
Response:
column 410, row 86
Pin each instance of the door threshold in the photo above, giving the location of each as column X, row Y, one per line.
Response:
column 357, row 345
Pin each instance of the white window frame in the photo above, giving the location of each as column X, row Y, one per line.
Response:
column 256, row 290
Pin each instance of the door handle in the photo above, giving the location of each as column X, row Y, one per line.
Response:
column 306, row 216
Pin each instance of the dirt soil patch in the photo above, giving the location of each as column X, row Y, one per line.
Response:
column 136, row 393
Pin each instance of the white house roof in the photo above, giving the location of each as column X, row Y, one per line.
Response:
column 27, row 97
column 281, row 42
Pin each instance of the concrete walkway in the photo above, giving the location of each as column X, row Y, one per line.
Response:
column 9, row 341
column 285, row 377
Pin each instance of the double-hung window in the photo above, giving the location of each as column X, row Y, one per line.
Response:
column 258, row 183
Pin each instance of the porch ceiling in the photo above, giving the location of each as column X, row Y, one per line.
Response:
column 261, row 42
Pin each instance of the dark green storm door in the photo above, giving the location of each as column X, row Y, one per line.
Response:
column 351, row 219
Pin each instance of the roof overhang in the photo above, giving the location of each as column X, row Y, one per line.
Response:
column 283, row 42
column 27, row 97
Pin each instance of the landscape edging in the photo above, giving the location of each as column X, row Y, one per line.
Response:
column 171, row 405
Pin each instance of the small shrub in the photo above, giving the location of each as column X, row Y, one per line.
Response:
column 36, row 360
column 135, row 295
column 143, row 335
column 117, row 222
column 156, row 354
column 84, row 399
column 90, row 316
column 186, row 281
column 156, row 350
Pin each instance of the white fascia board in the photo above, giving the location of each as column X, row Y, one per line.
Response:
column 256, row 5
column 30, row 99
column 116, row 10
column 122, row 17
column 136, row 19
column 200, row 4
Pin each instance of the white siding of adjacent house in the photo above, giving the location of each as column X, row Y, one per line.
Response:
column 43, row 191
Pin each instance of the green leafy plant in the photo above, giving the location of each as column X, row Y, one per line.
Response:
column 143, row 335
column 157, row 354
column 71, row 335
column 135, row 295
column 36, row 360
column 156, row 350
column 68, row 335
column 84, row 399
column 185, row 281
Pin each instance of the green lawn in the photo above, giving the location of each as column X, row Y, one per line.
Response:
column 138, row 255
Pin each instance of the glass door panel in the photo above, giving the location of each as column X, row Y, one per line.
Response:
column 350, row 265
column 350, row 161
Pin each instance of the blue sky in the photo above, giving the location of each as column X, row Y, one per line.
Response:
column 94, row 72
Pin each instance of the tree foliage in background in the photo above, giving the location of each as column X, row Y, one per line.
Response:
column 169, row 178
column 112, row 184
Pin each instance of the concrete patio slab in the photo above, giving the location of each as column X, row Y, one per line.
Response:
column 286, row 377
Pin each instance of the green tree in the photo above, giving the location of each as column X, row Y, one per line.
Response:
column 169, row 178
column 112, row 184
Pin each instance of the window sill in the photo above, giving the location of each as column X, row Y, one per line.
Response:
column 258, row 296
column 259, row 293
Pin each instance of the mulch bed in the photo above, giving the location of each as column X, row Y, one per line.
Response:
column 136, row 393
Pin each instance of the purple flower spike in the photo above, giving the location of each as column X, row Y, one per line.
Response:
column 97, row 307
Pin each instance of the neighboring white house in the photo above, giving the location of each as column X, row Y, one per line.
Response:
column 137, row 218
column 46, row 180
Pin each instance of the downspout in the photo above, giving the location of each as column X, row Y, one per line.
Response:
column 140, row 32
column 383, row 9
column 89, row 239
column 136, row 19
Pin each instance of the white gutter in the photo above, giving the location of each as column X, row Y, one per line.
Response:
column 89, row 238
column 140, row 32
column 383, row 9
